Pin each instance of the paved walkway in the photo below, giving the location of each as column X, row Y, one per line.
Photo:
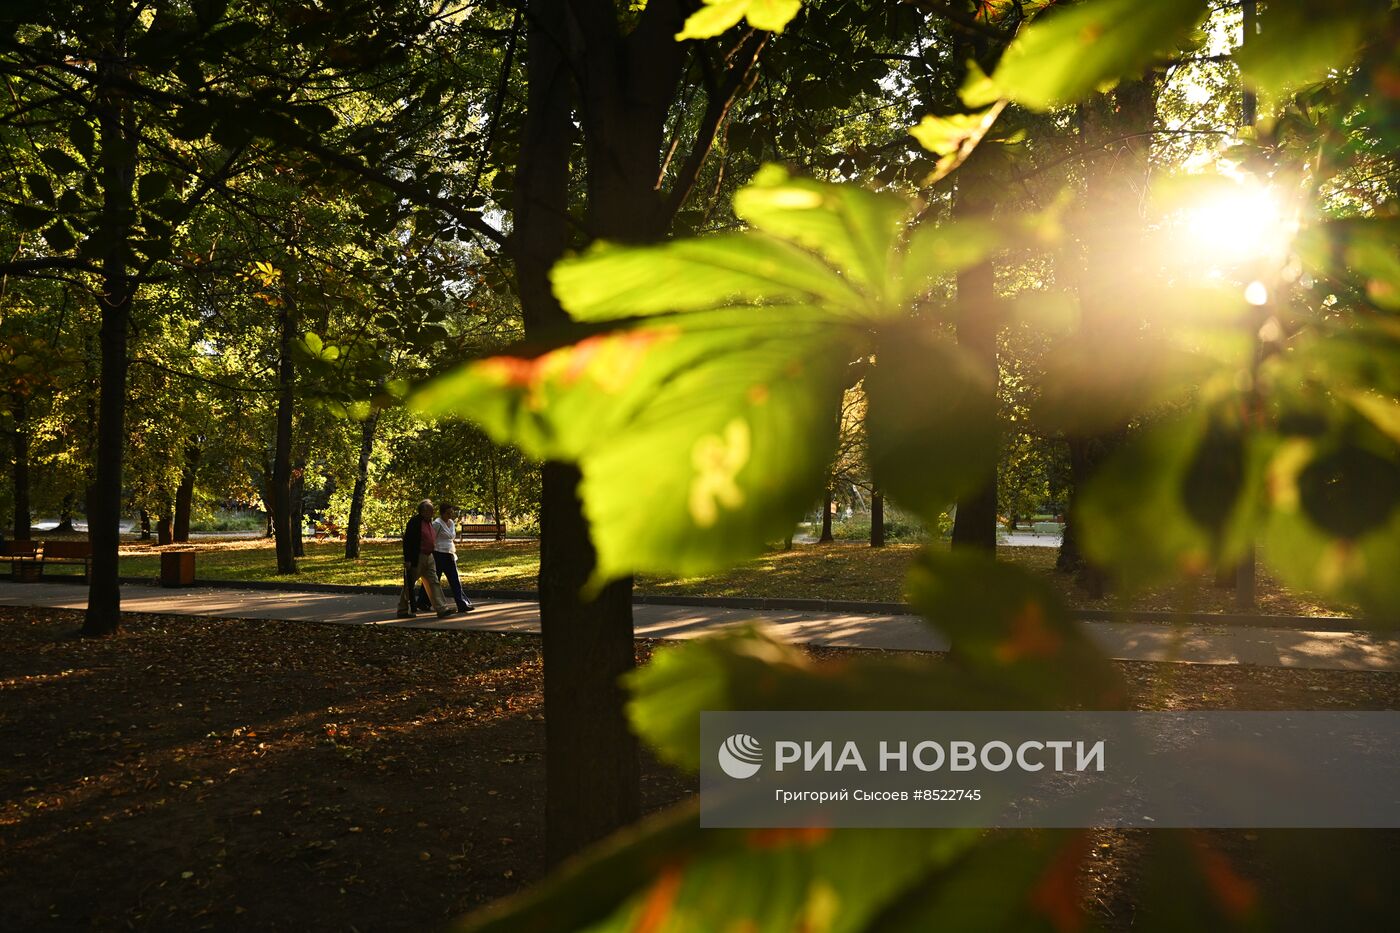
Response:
column 1130, row 641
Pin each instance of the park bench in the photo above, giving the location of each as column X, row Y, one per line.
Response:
column 488, row 530
column 23, row 558
column 1047, row 528
column 325, row 530
column 77, row 553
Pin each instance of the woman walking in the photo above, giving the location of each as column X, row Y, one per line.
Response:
column 445, row 555
column 419, row 543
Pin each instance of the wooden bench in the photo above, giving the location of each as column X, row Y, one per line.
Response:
column 23, row 558
column 326, row 530
column 489, row 530
column 78, row 553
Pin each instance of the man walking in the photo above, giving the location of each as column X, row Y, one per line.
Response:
column 445, row 557
column 418, row 563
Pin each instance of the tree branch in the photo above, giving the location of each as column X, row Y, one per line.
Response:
column 716, row 109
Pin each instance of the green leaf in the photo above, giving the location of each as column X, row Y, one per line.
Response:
column 81, row 135
column 1068, row 53
column 952, row 138
column 936, row 250
column 155, row 250
column 1011, row 633
column 192, row 122
column 931, row 420
column 236, row 33
column 316, row 118
column 854, row 229
column 40, row 188
column 1012, row 883
column 1362, row 250
column 29, row 217
column 694, row 275
column 59, row 237
column 151, row 186
column 59, row 161
column 716, row 16
column 1180, row 498
column 1091, row 386
column 1302, row 41
column 700, row 437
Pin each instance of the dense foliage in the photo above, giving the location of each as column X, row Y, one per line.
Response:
column 711, row 264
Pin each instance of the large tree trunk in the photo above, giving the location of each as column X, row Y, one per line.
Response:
column 184, row 494
column 826, row 536
column 975, row 524
column 165, row 533
column 357, row 495
column 591, row 765
column 118, row 135
column 282, row 446
column 23, row 519
column 627, row 83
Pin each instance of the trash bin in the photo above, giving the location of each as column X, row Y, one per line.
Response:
column 177, row 568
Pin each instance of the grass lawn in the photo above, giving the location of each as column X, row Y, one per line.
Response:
column 843, row 570
column 287, row 776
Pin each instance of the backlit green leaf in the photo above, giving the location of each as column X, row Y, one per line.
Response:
column 931, row 422
column 694, row 275
column 852, row 228
column 700, row 436
column 1069, row 52
column 715, row 16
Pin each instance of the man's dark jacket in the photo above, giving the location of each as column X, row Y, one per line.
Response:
column 413, row 540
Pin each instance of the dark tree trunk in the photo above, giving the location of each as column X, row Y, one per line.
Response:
column 787, row 543
column 184, row 494
column 23, row 519
column 117, row 166
column 65, row 513
column 299, row 508
column 592, row 778
column 357, row 496
column 165, row 532
column 826, row 535
column 877, row 519
column 145, row 525
column 282, row 447
column 496, row 492
column 975, row 524
column 627, row 82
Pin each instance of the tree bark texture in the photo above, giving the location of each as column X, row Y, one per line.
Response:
column 357, row 495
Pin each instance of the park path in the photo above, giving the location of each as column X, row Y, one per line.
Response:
column 1129, row 641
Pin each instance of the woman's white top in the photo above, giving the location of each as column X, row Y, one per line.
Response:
column 444, row 536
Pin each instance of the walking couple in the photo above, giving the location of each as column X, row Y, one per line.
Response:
column 430, row 548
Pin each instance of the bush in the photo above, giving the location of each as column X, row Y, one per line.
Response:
column 222, row 521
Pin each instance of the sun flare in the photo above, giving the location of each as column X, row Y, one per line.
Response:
column 1247, row 222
